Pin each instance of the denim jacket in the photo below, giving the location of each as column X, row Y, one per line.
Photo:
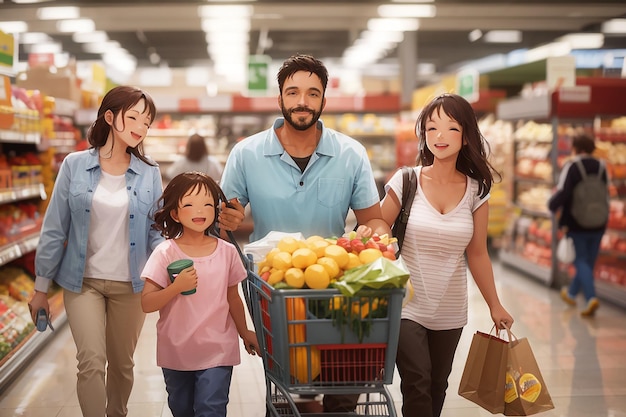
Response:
column 62, row 245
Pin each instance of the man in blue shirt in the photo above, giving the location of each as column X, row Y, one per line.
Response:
column 299, row 176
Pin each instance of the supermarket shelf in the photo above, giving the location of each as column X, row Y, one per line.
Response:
column 533, row 211
column 15, row 250
column 22, row 193
column 12, row 136
column 23, row 353
column 611, row 292
column 542, row 273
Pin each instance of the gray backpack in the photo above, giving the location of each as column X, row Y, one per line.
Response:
column 590, row 200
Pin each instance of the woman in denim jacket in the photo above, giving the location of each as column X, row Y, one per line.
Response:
column 95, row 240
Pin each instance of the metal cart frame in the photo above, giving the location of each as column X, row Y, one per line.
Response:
column 321, row 342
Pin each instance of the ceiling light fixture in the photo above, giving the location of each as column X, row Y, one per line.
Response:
column 46, row 48
column 29, row 1
column 100, row 47
column 84, row 37
column 475, row 35
column 389, row 24
column 58, row 13
column 228, row 11
column 14, row 26
column 583, row 40
column 503, row 36
column 76, row 25
column 407, row 10
column 614, row 26
column 34, row 37
column 548, row 50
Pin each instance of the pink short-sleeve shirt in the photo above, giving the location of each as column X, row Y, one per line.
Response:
column 196, row 332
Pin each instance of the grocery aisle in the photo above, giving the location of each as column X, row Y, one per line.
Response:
column 582, row 362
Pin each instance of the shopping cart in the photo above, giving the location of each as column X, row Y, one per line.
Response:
column 321, row 342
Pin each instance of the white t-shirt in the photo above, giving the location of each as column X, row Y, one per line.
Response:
column 108, row 242
column 434, row 253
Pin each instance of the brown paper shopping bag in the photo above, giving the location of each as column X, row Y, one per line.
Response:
column 483, row 378
column 526, row 392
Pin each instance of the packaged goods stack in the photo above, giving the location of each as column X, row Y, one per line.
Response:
column 30, row 127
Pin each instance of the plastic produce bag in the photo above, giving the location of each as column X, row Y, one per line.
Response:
column 382, row 273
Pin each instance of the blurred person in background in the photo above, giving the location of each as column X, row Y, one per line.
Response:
column 196, row 158
column 586, row 239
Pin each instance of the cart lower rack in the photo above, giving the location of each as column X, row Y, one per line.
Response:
column 321, row 342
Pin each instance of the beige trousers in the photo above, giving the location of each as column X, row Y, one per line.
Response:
column 105, row 319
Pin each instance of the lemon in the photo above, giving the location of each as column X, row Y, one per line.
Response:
column 288, row 244
column 294, row 277
column 318, row 246
column 276, row 276
column 282, row 260
column 353, row 261
column 316, row 277
column 331, row 266
column 313, row 238
column 303, row 257
column 369, row 255
column 339, row 254
column 270, row 255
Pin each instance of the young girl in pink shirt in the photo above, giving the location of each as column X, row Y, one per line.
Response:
column 197, row 334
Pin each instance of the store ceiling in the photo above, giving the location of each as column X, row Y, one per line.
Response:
column 323, row 28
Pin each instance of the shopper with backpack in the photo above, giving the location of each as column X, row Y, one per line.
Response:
column 582, row 197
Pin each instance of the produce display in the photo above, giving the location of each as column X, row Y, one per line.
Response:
column 16, row 287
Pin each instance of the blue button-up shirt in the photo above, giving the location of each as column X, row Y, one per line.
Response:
column 62, row 245
column 282, row 198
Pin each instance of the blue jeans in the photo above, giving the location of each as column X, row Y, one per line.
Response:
column 202, row 393
column 587, row 245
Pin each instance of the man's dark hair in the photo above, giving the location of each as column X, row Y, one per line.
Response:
column 301, row 62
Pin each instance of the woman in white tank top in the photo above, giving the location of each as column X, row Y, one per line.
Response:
column 447, row 222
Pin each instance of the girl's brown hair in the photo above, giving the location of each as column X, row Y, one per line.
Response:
column 173, row 194
column 472, row 159
column 119, row 100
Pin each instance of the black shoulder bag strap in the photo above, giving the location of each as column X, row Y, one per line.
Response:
column 409, row 187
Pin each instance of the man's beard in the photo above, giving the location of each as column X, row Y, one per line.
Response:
column 300, row 123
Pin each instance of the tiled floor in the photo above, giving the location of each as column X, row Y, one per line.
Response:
column 583, row 362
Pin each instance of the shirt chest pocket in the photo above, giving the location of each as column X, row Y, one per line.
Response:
column 145, row 200
column 330, row 191
column 79, row 198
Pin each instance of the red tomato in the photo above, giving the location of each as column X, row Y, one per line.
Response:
column 357, row 245
column 344, row 242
